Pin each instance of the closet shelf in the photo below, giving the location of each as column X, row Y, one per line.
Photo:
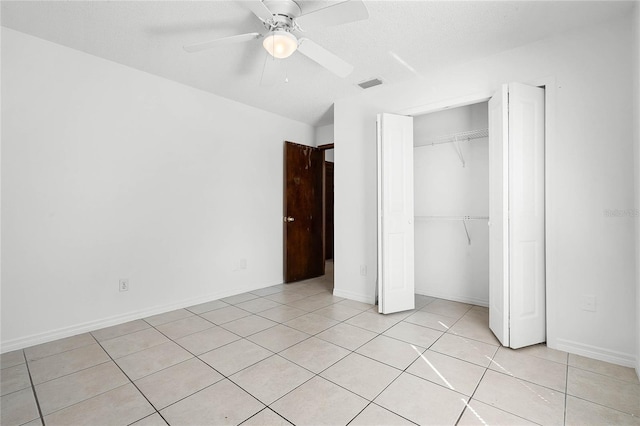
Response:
column 454, row 137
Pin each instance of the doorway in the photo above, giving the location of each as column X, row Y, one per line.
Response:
column 303, row 212
column 451, row 198
column 517, row 252
column 308, row 211
column 328, row 204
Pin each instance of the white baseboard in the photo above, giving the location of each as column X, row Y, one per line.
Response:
column 358, row 297
column 371, row 299
column 455, row 298
column 595, row 352
column 60, row 333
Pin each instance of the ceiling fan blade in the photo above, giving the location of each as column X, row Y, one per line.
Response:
column 340, row 13
column 323, row 57
column 258, row 8
column 196, row 47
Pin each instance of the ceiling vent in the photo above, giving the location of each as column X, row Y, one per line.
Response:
column 370, row 83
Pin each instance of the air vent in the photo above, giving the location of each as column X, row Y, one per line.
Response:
column 370, row 83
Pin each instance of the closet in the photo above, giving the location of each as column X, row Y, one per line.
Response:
column 461, row 216
column 451, row 204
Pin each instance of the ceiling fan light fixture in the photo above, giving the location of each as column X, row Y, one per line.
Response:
column 280, row 43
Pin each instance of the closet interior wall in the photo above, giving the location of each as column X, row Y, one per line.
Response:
column 451, row 183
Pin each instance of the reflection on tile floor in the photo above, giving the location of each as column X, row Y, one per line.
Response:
column 296, row 354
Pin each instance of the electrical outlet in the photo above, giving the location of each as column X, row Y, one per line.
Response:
column 123, row 284
column 243, row 263
column 363, row 270
column 588, row 302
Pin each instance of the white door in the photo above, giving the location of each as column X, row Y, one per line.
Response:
column 395, row 214
column 498, row 220
column 517, row 312
column 526, row 205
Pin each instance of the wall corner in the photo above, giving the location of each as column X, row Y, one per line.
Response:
column 636, row 144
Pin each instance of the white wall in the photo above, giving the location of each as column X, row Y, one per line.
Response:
column 447, row 265
column 329, row 155
column 589, row 169
column 108, row 173
column 324, row 136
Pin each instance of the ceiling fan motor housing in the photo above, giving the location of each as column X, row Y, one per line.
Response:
column 287, row 8
column 280, row 22
column 284, row 14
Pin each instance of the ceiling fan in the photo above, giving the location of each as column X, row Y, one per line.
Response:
column 285, row 24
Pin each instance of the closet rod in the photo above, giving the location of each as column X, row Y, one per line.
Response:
column 455, row 137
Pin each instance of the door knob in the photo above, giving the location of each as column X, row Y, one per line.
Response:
column 289, row 219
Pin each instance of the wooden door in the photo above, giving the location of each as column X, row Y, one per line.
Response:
column 328, row 209
column 303, row 212
column 395, row 214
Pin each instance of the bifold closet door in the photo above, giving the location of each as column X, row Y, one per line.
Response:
column 395, row 214
column 517, row 308
column 498, row 221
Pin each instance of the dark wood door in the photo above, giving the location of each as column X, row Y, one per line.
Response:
column 328, row 209
column 303, row 212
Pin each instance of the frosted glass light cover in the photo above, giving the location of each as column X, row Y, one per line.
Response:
column 280, row 44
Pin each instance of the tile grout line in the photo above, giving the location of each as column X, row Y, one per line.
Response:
column 604, row 406
column 229, row 377
column 487, row 369
column 466, row 406
column 438, row 384
column 323, row 378
column 377, row 334
column 519, row 379
column 64, row 375
column 351, row 352
column 636, row 383
column 71, row 373
column 236, row 384
column 314, row 373
column 113, row 360
column 277, row 399
column 566, row 390
column 199, row 359
column 33, row 389
column 199, row 390
column 526, row 381
column 359, row 412
column 391, row 382
column 588, row 400
column 265, row 408
column 354, row 352
column 120, row 335
column 134, row 385
column 380, row 406
column 61, row 352
column 268, row 406
column 137, row 351
column 384, row 363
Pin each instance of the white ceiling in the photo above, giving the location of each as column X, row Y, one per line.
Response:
column 425, row 35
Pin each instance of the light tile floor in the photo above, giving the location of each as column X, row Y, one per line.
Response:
column 297, row 354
